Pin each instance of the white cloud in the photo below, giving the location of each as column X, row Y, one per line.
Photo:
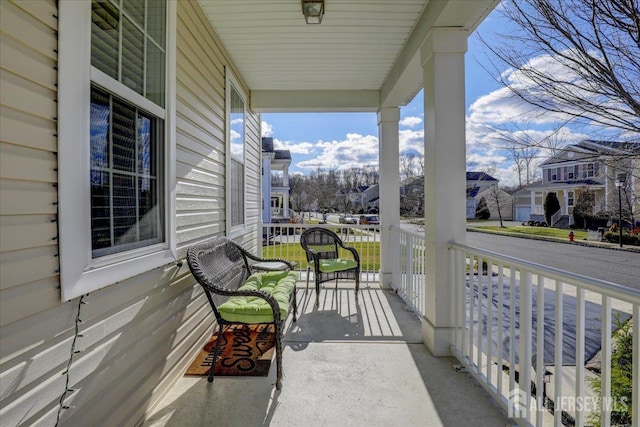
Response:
column 410, row 121
column 266, row 128
column 294, row 148
column 354, row 151
column 411, row 140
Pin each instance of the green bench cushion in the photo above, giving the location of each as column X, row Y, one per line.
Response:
column 279, row 284
column 339, row 264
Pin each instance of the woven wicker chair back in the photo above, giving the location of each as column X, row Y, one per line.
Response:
column 321, row 240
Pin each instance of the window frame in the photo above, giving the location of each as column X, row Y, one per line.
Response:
column 590, row 170
column 80, row 273
column 231, row 82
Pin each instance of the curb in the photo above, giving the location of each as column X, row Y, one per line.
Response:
column 604, row 245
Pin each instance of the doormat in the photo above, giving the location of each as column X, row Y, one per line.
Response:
column 245, row 350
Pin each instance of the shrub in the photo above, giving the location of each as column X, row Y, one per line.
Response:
column 482, row 210
column 627, row 239
column 551, row 206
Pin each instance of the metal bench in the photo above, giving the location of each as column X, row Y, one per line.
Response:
column 223, row 268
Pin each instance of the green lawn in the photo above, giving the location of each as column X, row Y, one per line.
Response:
column 369, row 253
column 537, row 231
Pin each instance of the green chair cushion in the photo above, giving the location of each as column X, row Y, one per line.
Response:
column 279, row 284
column 339, row 264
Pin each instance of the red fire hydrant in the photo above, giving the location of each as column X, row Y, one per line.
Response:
column 571, row 236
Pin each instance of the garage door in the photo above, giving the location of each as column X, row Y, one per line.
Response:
column 523, row 213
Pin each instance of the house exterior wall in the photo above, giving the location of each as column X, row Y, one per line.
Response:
column 137, row 335
column 495, row 197
column 579, row 170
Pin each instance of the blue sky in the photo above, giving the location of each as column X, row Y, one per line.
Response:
column 343, row 140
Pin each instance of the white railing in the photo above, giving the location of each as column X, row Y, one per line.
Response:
column 555, row 217
column 283, row 241
column 499, row 300
column 408, row 274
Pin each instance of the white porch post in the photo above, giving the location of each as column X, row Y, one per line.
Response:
column 534, row 209
column 389, row 147
column 445, row 177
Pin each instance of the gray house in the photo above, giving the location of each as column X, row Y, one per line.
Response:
column 589, row 166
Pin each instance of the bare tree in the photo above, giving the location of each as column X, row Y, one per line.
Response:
column 591, row 51
column 524, row 156
column 408, row 162
column 498, row 200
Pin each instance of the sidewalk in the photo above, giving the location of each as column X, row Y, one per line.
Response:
column 478, row 227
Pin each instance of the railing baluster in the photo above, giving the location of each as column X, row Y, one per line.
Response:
column 500, row 325
column 489, row 319
column 524, row 359
column 635, row 372
column 512, row 329
column 480, row 281
column 540, row 362
column 605, row 363
column 580, row 322
column 559, row 335
column 471, row 306
column 460, row 300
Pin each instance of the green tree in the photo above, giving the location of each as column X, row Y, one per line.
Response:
column 551, row 206
column 482, row 210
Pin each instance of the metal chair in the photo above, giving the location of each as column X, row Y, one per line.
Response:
column 321, row 248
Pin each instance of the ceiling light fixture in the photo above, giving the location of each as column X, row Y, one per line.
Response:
column 313, row 11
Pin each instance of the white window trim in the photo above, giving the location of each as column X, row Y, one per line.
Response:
column 232, row 81
column 79, row 273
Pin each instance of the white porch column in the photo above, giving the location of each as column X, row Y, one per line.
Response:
column 389, row 147
column 445, row 177
column 533, row 202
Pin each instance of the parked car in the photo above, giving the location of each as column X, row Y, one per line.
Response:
column 369, row 219
column 348, row 219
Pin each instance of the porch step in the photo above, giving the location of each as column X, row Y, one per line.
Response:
column 563, row 222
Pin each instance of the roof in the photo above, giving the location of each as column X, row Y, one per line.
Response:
column 282, row 154
column 362, row 56
column 479, row 176
column 267, row 144
column 527, row 188
column 589, row 148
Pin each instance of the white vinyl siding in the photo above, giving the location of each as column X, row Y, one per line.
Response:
column 141, row 333
column 201, row 204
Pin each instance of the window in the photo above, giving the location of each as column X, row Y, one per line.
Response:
column 126, row 200
column 235, row 157
column 570, row 174
column 590, row 170
column 117, row 155
column 554, row 174
column 570, row 198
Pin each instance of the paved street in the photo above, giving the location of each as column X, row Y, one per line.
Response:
column 620, row 267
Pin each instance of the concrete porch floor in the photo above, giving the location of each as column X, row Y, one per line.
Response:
column 345, row 364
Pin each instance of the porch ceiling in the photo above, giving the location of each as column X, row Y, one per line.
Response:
column 364, row 55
